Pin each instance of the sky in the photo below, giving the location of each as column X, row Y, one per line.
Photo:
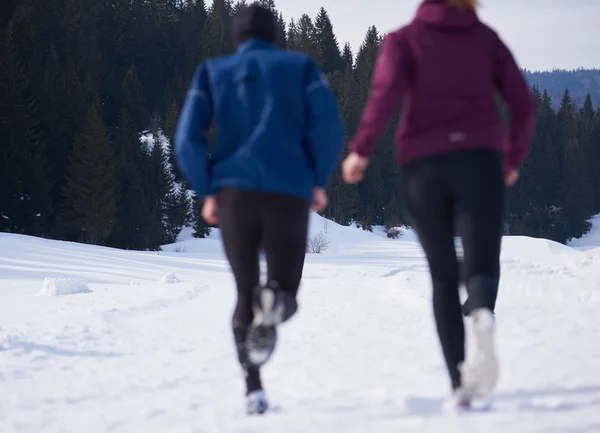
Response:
column 542, row 34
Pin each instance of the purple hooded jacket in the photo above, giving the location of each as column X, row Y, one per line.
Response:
column 448, row 66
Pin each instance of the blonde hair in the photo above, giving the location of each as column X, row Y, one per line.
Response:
column 464, row 4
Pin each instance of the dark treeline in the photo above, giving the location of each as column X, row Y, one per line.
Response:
column 90, row 93
column 580, row 83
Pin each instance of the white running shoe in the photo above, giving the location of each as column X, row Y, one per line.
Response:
column 480, row 370
column 459, row 401
column 256, row 402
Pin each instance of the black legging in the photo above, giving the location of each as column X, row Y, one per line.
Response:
column 277, row 224
column 462, row 192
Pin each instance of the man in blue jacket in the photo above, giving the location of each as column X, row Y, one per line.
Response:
column 279, row 136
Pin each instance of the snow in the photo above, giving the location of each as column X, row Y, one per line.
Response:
column 64, row 286
column 135, row 354
column 149, row 139
column 170, row 278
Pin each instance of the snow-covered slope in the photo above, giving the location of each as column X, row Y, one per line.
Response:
column 342, row 239
column 140, row 341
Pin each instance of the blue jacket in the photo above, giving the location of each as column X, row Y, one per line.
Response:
column 278, row 125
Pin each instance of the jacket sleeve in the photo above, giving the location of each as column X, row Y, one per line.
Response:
column 325, row 132
column 191, row 146
column 387, row 90
column 513, row 87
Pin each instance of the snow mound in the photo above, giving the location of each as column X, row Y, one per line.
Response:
column 170, row 278
column 64, row 286
column 537, row 249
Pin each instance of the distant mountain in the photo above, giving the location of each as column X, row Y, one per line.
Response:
column 580, row 82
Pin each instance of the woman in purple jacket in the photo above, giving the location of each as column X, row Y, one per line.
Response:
column 456, row 163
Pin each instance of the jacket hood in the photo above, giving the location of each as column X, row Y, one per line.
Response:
column 440, row 14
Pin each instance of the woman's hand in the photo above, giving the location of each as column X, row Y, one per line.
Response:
column 511, row 177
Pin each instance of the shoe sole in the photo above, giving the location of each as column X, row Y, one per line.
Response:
column 262, row 336
column 268, row 312
column 480, row 374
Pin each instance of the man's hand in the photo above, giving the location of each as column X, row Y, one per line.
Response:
column 511, row 177
column 210, row 210
column 353, row 168
column 319, row 199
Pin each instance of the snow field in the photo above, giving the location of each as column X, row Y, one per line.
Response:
column 149, row 347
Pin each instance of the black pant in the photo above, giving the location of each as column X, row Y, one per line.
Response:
column 462, row 192
column 277, row 224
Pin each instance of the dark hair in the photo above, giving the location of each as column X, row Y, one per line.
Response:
column 254, row 21
column 464, row 4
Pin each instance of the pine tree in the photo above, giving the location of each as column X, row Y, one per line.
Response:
column 217, row 32
column 89, row 193
column 348, row 57
column 50, row 109
column 365, row 62
column 371, row 192
column 133, row 99
column 292, row 35
column 577, row 190
column 132, row 208
column 304, row 37
column 595, row 164
column 281, row 33
column 80, row 24
column 192, row 27
column 127, row 45
column 175, row 204
column 169, row 206
column 239, row 5
column 24, row 188
column 591, row 149
column 176, row 210
column 7, row 9
column 327, row 44
column 170, row 128
column 269, row 4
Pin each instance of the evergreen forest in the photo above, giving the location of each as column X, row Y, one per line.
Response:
column 90, row 93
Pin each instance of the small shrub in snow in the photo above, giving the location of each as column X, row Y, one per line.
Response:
column 393, row 233
column 181, row 249
column 318, row 243
column 64, row 286
column 365, row 226
column 170, row 278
